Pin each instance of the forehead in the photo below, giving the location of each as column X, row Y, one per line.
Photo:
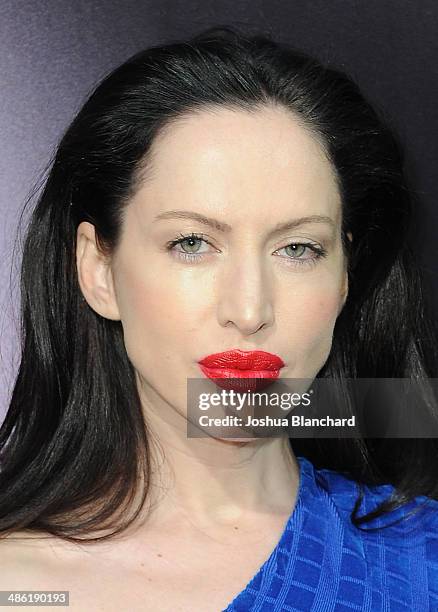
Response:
column 222, row 156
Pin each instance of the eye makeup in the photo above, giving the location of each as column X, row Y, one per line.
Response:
column 315, row 251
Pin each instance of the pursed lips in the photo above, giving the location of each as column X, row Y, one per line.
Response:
column 241, row 364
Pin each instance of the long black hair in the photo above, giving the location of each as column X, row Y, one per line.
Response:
column 74, row 444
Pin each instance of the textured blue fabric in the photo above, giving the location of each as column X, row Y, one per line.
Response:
column 323, row 563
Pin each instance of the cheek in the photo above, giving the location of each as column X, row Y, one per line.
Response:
column 311, row 330
column 157, row 318
column 312, row 309
column 321, row 312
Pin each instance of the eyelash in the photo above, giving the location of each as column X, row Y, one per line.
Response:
column 319, row 252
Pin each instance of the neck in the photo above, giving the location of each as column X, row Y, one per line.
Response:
column 216, row 482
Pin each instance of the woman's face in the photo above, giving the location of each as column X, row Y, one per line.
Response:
column 241, row 284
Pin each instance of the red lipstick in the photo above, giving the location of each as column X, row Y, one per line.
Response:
column 260, row 367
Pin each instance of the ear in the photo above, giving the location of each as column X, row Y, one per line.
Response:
column 95, row 274
column 344, row 289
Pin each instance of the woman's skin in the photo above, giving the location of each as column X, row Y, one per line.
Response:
column 213, row 499
column 245, row 290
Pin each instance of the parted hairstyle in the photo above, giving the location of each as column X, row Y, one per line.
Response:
column 74, row 443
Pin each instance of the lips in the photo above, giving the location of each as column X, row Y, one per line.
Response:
column 257, row 368
column 243, row 360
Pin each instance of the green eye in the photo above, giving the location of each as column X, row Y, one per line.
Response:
column 297, row 249
column 190, row 253
column 192, row 240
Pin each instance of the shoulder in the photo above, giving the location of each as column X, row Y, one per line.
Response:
column 419, row 513
column 18, row 564
column 343, row 490
column 393, row 557
column 403, row 541
column 30, row 560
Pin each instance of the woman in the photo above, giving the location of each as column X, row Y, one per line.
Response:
column 223, row 193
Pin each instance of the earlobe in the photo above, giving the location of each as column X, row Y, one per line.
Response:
column 94, row 273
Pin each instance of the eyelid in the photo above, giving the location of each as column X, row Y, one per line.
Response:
column 182, row 237
column 319, row 252
column 288, row 240
column 322, row 242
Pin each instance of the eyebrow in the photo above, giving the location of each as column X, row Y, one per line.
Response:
column 224, row 227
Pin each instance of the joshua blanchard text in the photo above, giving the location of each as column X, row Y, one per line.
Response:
column 267, row 421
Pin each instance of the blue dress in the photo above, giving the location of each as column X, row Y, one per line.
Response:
column 323, row 563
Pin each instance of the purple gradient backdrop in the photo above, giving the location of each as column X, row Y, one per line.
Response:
column 53, row 52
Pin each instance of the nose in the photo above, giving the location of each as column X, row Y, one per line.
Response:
column 245, row 296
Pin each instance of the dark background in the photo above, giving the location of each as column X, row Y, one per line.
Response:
column 53, row 52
